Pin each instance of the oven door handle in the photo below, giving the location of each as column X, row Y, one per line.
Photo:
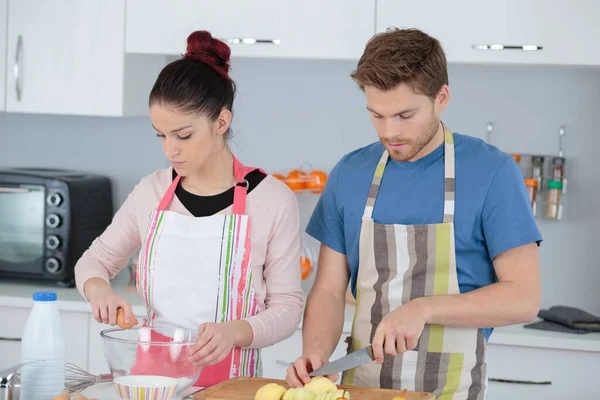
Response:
column 14, row 190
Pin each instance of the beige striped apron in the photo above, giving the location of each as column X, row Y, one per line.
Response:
column 398, row 263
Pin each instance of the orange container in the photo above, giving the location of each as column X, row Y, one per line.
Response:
column 315, row 181
column 305, row 267
column 531, row 185
column 296, row 180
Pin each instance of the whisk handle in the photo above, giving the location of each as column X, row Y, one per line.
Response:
column 106, row 378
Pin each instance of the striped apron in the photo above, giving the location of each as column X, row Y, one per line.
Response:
column 398, row 263
column 195, row 270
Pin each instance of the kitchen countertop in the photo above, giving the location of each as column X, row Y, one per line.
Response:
column 19, row 295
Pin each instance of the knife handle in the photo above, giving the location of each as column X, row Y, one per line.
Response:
column 283, row 363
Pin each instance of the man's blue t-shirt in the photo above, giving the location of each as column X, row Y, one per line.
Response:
column 492, row 211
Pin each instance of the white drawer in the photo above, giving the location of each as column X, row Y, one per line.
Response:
column 10, row 352
column 277, row 358
column 570, row 373
column 11, row 331
column 13, row 321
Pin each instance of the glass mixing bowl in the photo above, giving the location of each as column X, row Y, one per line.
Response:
column 152, row 351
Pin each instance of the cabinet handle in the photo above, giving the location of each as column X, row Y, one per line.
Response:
column 17, row 68
column 237, row 40
column 526, row 47
column 520, row 381
column 283, row 363
column 8, row 339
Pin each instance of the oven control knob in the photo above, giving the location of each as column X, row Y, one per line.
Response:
column 54, row 199
column 53, row 221
column 52, row 242
column 53, row 265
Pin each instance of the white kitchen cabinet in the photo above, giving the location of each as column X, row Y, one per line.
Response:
column 3, row 23
column 333, row 29
column 76, row 335
column 277, row 358
column 457, row 24
column 572, row 374
column 567, row 32
column 68, row 57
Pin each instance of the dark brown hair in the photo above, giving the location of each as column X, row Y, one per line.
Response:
column 198, row 82
column 403, row 56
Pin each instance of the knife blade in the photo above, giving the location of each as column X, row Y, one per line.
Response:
column 352, row 360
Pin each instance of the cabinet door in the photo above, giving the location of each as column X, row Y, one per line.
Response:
column 458, row 25
column 76, row 332
column 567, row 31
column 333, row 29
column 503, row 31
column 3, row 23
column 65, row 57
column 536, row 373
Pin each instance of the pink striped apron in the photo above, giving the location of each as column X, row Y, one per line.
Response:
column 195, row 270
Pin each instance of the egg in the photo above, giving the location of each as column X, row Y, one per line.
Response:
column 121, row 320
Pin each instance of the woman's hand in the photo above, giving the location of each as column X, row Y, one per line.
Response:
column 216, row 340
column 105, row 302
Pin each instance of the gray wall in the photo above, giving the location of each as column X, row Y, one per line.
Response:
column 290, row 112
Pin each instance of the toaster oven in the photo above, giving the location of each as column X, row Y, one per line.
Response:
column 48, row 218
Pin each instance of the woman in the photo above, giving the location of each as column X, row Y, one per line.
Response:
column 201, row 224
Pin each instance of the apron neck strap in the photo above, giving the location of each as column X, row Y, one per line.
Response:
column 448, row 175
column 239, row 194
column 241, row 187
column 166, row 200
column 448, row 178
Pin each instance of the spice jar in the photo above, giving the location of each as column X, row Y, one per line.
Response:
column 554, row 209
column 537, row 165
column 558, row 168
column 532, row 188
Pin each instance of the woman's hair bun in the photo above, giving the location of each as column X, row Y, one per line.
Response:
column 201, row 46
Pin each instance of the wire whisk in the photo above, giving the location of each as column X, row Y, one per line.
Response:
column 78, row 379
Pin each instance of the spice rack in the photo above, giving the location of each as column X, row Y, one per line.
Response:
column 546, row 181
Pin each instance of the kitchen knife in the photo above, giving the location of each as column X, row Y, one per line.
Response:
column 352, row 360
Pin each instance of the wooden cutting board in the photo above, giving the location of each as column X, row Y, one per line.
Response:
column 246, row 388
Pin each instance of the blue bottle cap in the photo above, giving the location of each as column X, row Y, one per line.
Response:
column 44, row 296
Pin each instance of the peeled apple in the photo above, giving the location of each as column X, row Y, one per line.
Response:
column 321, row 384
column 270, row 391
column 289, row 395
column 299, row 394
column 319, row 388
column 337, row 395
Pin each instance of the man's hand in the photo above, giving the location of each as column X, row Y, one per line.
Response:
column 399, row 331
column 297, row 374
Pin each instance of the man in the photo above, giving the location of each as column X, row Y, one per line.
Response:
column 433, row 229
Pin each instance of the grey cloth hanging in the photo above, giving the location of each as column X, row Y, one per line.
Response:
column 566, row 319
